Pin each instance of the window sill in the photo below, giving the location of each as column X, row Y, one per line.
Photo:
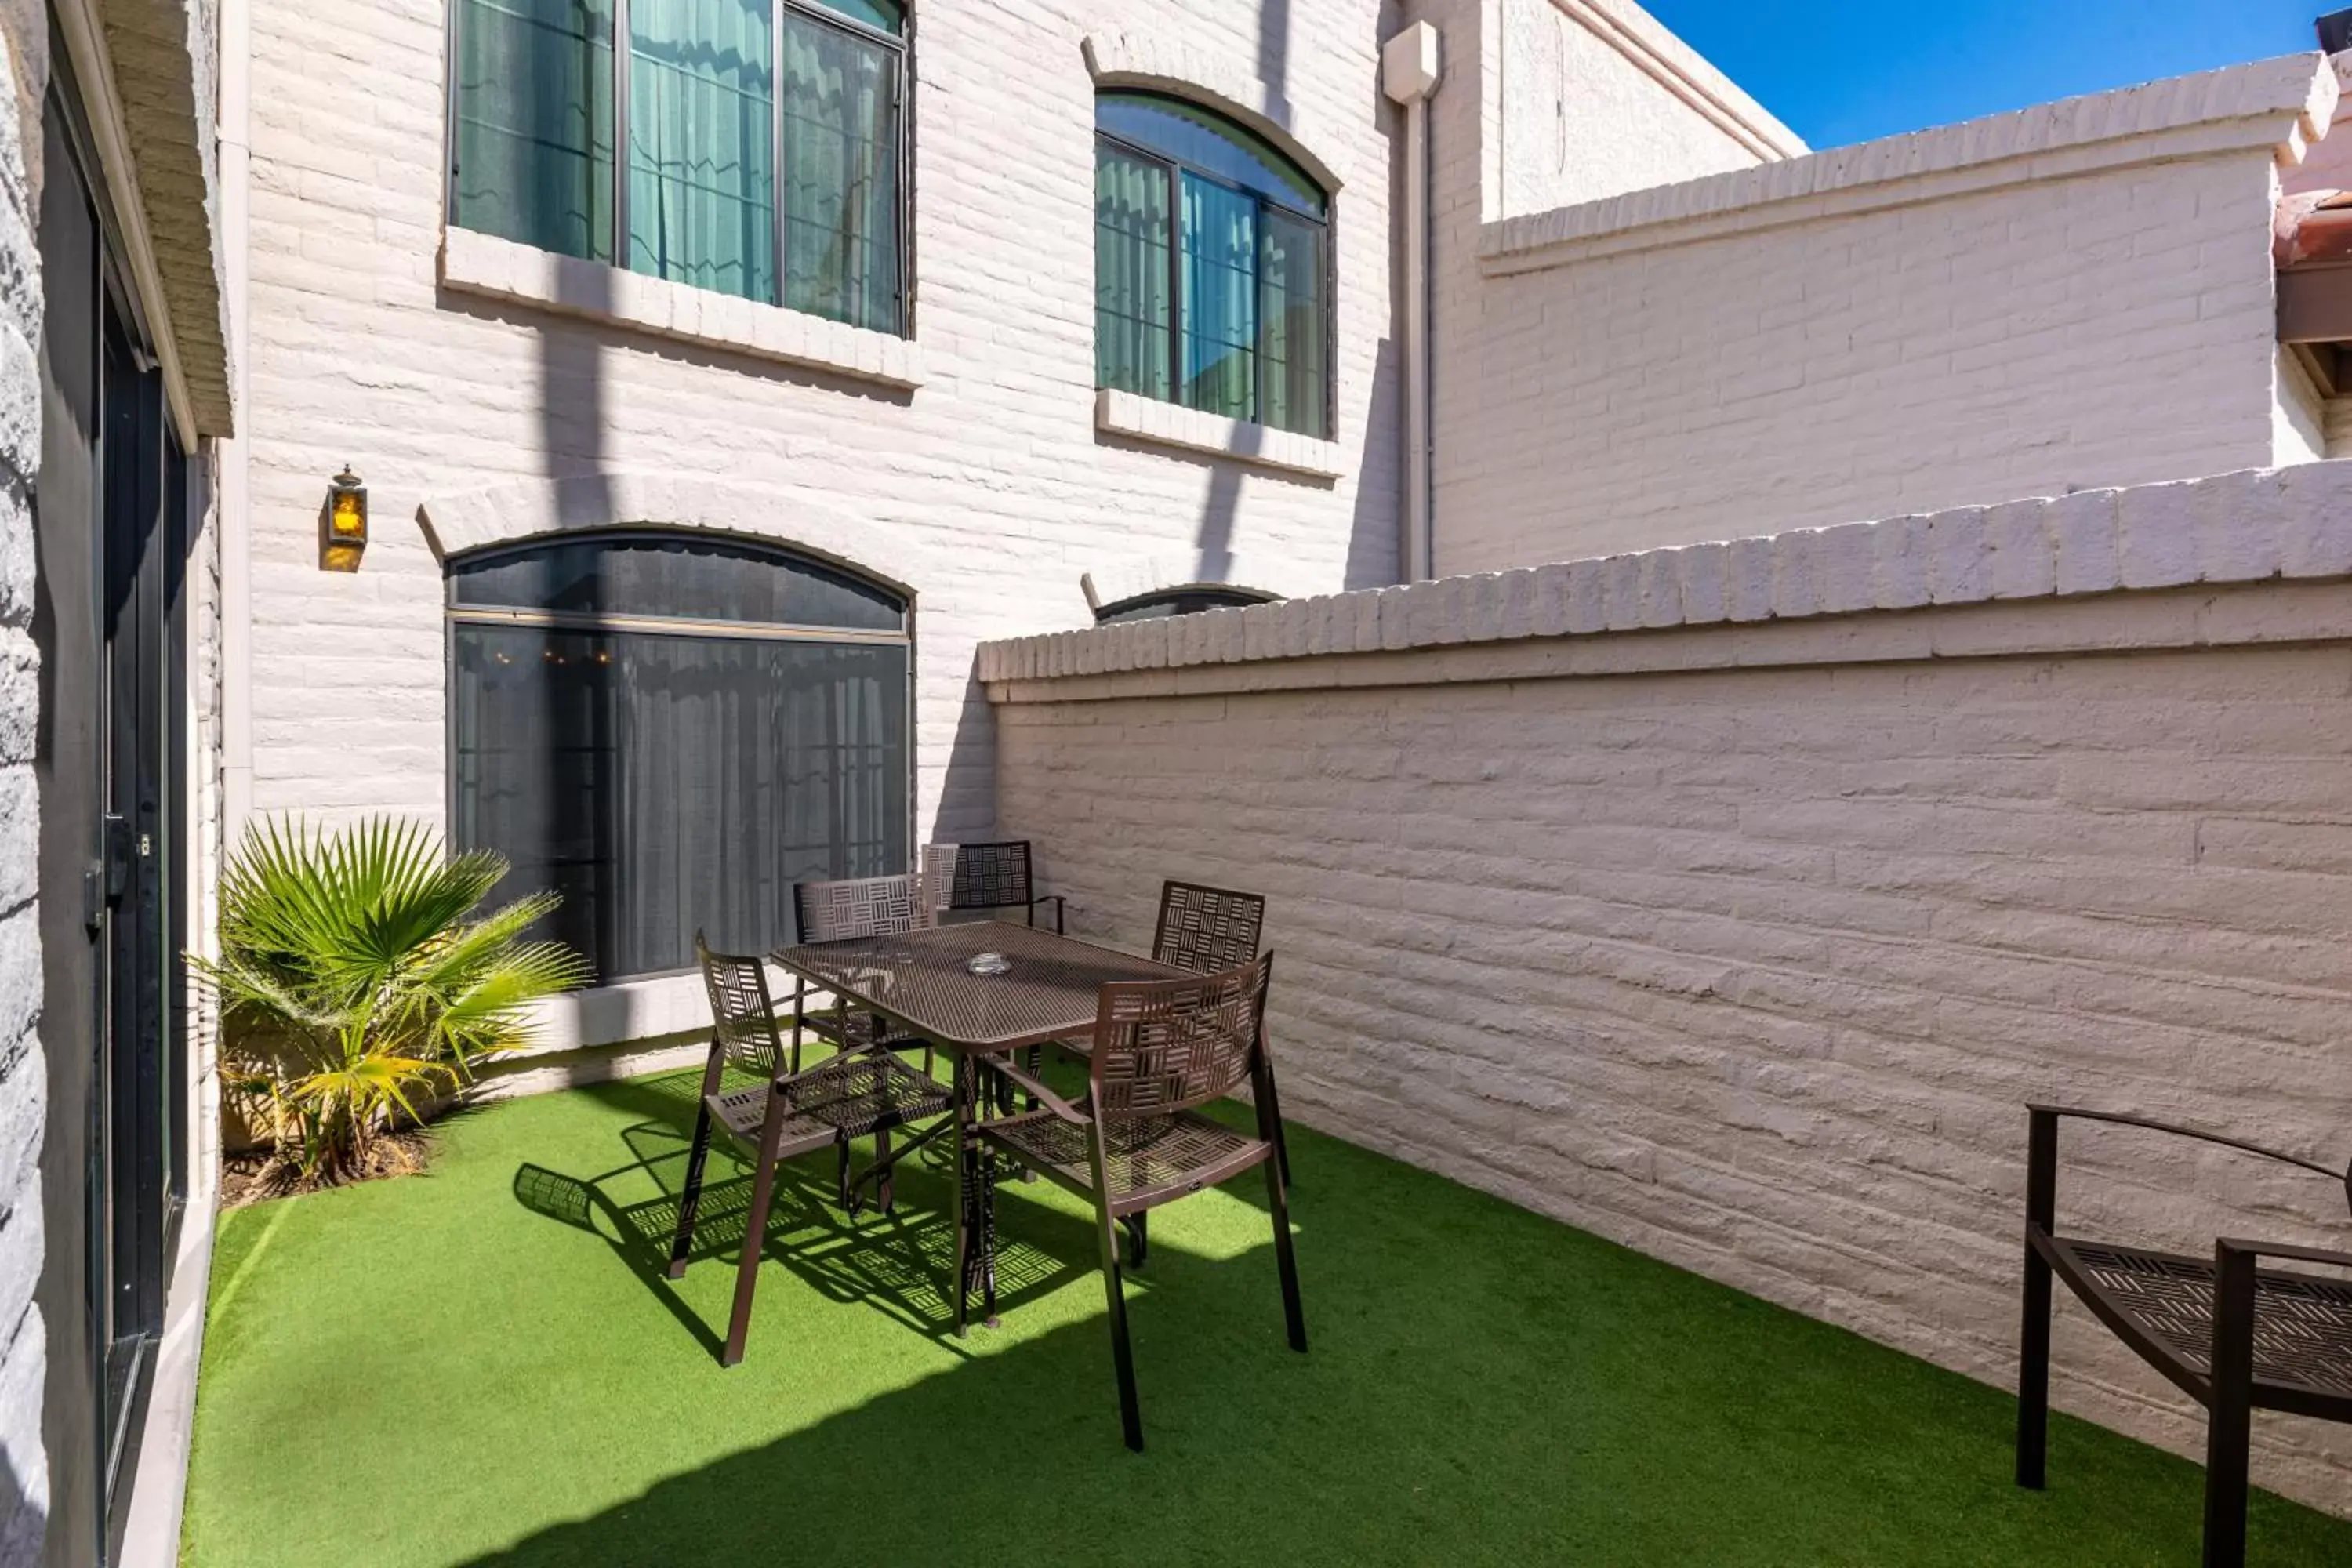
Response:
column 1173, row 424
column 481, row 264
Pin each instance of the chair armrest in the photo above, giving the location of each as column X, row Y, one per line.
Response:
column 1054, row 1102
column 2041, row 1157
column 1053, row 899
column 2201, row 1136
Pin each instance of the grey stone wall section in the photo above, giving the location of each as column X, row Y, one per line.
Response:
column 24, row 1077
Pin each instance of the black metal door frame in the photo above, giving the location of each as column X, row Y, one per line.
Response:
column 134, row 1140
column 112, row 531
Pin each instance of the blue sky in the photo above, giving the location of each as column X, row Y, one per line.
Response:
column 1837, row 71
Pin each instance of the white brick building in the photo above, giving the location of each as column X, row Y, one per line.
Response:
column 376, row 237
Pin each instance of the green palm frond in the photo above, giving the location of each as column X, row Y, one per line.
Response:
column 354, row 973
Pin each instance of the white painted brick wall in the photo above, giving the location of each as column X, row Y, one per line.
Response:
column 1743, row 934
column 2109, row 329
column 2043, row 306
column 1582, row 118
column 23, row 1078
column 992, row 470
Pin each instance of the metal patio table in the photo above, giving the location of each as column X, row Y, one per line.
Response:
column 922, row 982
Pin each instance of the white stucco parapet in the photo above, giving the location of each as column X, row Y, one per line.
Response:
column 485, row 265
column 1685, row 73
column 2291, row 524
column 1173, row 424
column 2283, row 105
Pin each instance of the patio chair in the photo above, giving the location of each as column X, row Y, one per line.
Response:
column 861, row 1090
column 2234, row 1337
column 993, row 876
column 1204, row 930
column 839, row 912
column 1162, row 1049
column 985, row 876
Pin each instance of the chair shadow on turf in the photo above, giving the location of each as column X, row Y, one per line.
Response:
column 902, row 1261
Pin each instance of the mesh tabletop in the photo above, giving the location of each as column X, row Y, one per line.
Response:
column 922, row 979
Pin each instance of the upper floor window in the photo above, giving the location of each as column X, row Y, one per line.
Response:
column 765, row 143
column 1211, row 266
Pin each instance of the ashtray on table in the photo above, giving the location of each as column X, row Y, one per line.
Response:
column 989, row 964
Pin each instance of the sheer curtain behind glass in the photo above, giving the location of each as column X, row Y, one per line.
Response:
column 685, row 725
column 840, row 175
column 701, row 143
column 666, row 784
column 1246, row 227
column 534, row 131
column 1131, row 272
column 1220, row 276
column 1290, row 275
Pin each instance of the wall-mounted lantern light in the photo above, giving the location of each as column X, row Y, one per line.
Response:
column 343, row 533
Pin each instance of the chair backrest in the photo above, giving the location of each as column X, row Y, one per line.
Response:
column 1205, row 929
column 742, row 1014
column 1165, row 1045
column 858, row 906
column 977, row 876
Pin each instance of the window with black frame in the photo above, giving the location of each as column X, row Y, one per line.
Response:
column 755, row 130
column 1211, row 266
column 1184, row 601
column 671, row 730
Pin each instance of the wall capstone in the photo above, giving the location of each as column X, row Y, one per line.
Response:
column 2284, row 104
column 2293, row 523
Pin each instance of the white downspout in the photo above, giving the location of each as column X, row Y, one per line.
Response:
column 1409, row 74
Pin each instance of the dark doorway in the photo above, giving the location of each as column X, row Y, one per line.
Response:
column 111, row 532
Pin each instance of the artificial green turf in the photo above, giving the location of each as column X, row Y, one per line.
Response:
column 438, row 1372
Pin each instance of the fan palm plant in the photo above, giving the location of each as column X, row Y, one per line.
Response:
column 354, row 974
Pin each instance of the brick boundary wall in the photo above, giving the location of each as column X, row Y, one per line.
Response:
column 1731, row 901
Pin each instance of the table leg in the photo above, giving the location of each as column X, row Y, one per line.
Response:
column 960, row 1096
column 975, row 1268
column 987, row 1235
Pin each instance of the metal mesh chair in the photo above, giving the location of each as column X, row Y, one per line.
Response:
column 840, row 912
column 2234, row 1337
column 1205, row 929
column 1161, row 1050
column 985, row 876
column 862, row 1091
column 995, row 876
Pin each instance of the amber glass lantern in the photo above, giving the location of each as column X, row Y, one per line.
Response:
column 344, row 536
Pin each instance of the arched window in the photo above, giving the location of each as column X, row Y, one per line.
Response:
column 1189, row 600
column 671, row 729
column 1212, row 262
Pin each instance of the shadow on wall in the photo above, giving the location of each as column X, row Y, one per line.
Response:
column 1213, row 546
column 1274, row 54
column 572, row 412
column 1375, row 554
column 967, row 809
